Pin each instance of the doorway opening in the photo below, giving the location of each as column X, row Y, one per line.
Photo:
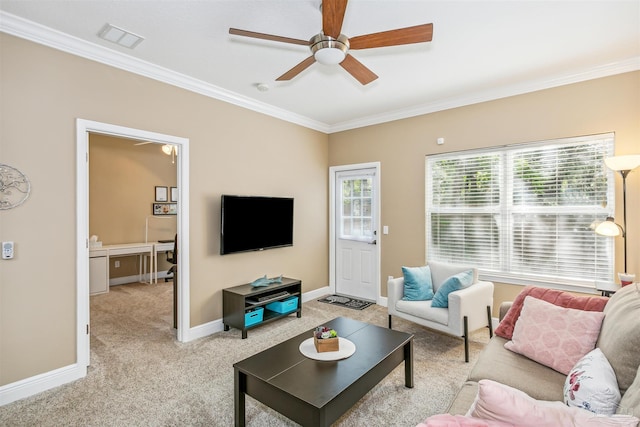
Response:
column 132, row 222
column 84, row 129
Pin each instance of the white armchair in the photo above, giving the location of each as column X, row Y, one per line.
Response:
column 469, row 308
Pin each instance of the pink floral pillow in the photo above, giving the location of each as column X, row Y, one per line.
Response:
column 592, row 385
column 554, row 336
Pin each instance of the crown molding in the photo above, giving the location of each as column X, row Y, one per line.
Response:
column 606, row 70
column 46, row 36
column 40, row 34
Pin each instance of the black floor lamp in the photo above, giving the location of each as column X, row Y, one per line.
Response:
column 624, row 165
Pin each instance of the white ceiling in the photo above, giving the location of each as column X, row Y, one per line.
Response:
column 481, row 50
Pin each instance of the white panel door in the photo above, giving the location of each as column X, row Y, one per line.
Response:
column 356, row 262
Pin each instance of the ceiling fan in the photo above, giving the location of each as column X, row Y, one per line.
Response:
column 168, row 149
column 331, row 47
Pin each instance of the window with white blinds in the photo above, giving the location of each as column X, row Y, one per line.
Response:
column 524, row 213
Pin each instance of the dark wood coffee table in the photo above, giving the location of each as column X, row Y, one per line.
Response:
column 316, row 393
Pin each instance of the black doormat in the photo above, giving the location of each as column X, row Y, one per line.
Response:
column 356, row 304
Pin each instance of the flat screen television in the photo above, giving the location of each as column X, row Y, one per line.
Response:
column 255, row 223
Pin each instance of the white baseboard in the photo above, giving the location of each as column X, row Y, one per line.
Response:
column 204, row 330
column 315, row 294
column 39, row 383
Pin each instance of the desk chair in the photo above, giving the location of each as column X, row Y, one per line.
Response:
column 172, row 257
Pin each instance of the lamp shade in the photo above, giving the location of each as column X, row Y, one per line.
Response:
column 623, row 163
column 609, row 228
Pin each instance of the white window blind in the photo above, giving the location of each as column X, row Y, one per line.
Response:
column 524, row 212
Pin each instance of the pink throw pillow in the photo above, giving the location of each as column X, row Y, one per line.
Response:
column 554, row 336
column 502, row 403
column 447, row 420
column 560, row 298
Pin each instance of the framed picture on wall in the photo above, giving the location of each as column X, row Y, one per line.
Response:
column 165, row 208
column 161, row 194
column 174, row 194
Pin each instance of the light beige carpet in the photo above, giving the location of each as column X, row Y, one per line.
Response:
column 141, row 376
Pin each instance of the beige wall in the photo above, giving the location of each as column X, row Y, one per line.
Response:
column 233, row 150
column 122, row 181
column 597, row 106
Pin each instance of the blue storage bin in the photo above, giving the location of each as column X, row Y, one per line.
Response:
column 253, row 317
column 284, row 306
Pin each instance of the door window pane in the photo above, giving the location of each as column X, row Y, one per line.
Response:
column 356, row 222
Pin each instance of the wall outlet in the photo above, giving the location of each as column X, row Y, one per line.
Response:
column 117, row 264
column 389, row 278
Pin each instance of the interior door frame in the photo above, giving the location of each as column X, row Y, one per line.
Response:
column 333, row 172
column 83, row 129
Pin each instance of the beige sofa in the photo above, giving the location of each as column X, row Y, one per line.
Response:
column 619, row 340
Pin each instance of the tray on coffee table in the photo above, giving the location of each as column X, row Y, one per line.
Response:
column 346, row 349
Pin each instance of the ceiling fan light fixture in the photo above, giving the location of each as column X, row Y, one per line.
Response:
column 329, row 56
column 329, row 51
column 168, row 149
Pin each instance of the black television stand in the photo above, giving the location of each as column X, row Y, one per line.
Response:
column 239, row 300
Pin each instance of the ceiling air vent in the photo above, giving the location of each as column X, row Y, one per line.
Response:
column 120, row 36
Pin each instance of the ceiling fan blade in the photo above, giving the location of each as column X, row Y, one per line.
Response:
column 409, row 35
column 357, row 70
column 245, row 33
column 332, row 17
column 297, row 69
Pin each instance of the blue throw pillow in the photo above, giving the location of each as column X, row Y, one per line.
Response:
column 417, row 283
column 453, row 283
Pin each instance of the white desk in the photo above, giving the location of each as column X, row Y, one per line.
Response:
column 98, row 271
column 143, row 250
column 127, row 249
